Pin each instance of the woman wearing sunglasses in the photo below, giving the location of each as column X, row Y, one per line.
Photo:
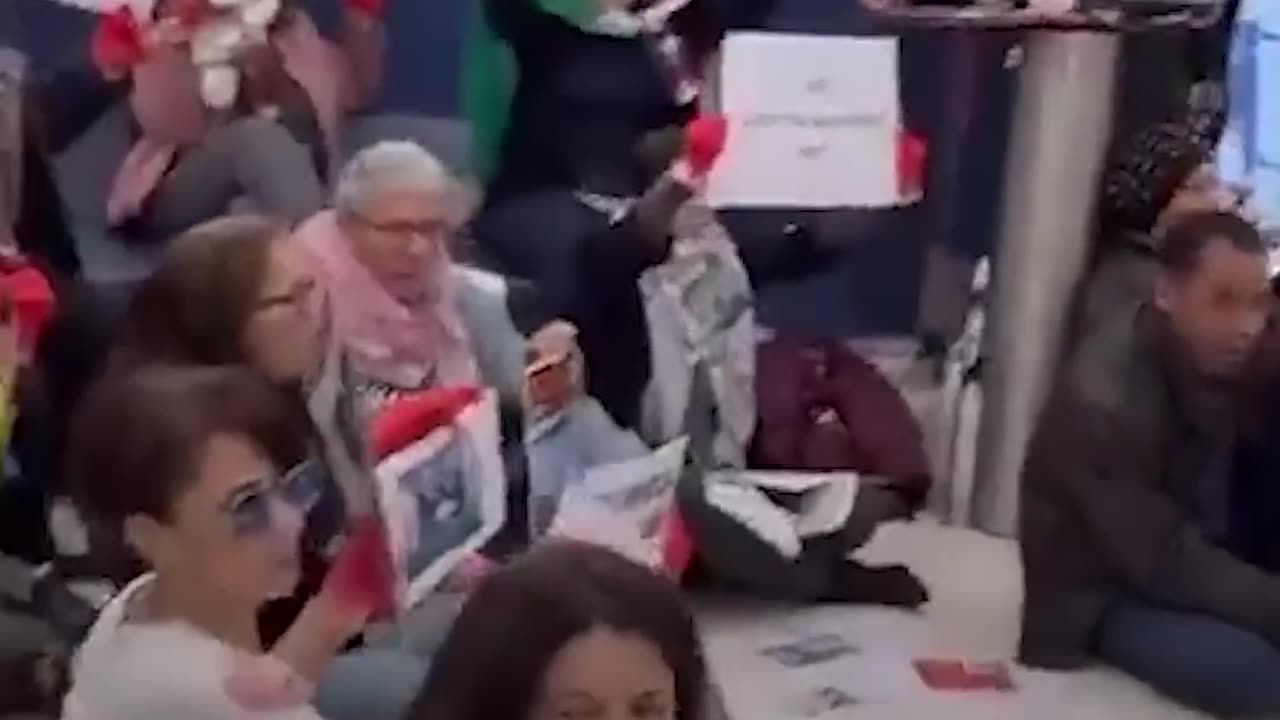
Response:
column 208, row 486
column 229, row 293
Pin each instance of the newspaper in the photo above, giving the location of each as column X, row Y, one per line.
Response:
column 443, row 498
column 624, row 506
column 823, row 502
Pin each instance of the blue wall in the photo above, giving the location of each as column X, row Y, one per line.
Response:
column 873, row 285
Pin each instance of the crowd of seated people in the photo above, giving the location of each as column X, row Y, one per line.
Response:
column 229, row 407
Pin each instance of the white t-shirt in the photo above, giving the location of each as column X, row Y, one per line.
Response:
column 169, row 670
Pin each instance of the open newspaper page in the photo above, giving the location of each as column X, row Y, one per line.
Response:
column 443, row 497
column 783, row 508
column 624, row 505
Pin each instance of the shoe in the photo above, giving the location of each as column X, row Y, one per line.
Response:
column 892, row 585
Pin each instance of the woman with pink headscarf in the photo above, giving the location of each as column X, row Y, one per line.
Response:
column 202, row 142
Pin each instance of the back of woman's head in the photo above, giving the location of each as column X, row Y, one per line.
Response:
column 494, row 664
column 139, row 435
column 194, row 307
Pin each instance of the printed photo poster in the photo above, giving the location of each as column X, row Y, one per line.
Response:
column 443, row 498
column 818, row 131
column 625, row 506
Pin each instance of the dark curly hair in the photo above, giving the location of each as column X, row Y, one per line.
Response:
column 492, row 664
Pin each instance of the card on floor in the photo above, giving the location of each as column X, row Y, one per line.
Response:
column 818, row 702
column 962, row 675
column 809, row 651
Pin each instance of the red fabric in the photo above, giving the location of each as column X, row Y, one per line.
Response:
column 822, row 407
column 677, row 545
column 412, row 417
column 912, row 153
column 32, row 298
column 188, row 12
column 372, row 8
column 362, row 576
column 116, row 44
column 704, row 140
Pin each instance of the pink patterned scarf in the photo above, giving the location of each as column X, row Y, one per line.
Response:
column 405, row 345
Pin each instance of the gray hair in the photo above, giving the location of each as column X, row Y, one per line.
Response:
column 395, row 166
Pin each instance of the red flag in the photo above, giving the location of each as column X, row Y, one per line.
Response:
column 412, row 417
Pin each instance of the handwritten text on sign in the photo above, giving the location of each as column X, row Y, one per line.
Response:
column 813, row 121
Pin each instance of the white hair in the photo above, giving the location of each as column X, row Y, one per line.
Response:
column 391, row 166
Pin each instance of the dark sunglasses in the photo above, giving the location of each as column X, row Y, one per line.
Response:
column 250, row 507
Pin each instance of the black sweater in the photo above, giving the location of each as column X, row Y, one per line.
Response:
column 583, row 101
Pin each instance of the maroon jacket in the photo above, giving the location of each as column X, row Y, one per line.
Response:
column 822, row 407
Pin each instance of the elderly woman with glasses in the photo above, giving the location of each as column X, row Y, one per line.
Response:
column 406, row 316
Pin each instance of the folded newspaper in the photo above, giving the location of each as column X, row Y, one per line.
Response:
column 443, row 497
column 784, row 508
column 626, row 506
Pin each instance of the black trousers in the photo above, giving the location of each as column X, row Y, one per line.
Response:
column 735, row 557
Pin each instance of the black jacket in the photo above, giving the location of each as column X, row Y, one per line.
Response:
column 1113, row 498
column 58, row 107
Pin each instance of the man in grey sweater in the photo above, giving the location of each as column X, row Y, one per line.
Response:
column 1127, row 522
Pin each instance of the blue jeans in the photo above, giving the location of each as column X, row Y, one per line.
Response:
column 380, row 681
column 369, row 684
column 1200, row 661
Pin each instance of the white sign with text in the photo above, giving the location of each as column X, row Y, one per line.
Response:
column 813, row 121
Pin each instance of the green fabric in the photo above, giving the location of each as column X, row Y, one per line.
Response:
column 489, row 77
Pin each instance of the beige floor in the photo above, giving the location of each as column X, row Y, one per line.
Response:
column 976, row 586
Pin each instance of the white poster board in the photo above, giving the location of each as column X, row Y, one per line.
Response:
column 813, row 121
column 443, row 498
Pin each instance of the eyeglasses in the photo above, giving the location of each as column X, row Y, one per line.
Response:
column 250, row 508
column 430, row 229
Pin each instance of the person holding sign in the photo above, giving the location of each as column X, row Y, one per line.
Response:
column 595, row 95
column 208, row 486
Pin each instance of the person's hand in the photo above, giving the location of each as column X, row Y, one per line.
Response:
column 361, row 582
column 469, row 573
column 552, row 367
column 704, row 140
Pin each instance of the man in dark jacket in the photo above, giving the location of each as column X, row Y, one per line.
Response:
column 1127, row 532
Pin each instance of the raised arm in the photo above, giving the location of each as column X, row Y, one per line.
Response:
column 362, row 38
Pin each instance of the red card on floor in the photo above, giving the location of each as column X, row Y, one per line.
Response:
column 964, row 676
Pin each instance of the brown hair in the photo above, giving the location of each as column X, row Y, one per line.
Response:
column 139, row 434
column 194, row 307
column 554, row 593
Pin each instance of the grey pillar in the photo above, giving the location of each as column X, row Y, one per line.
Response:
column 1061, row 129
